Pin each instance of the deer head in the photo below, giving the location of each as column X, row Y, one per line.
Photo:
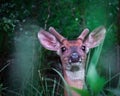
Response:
column 72, row 53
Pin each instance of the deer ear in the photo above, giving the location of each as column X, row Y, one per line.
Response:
column 48, row 40
column 95, row 37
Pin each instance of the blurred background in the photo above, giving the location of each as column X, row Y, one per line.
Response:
column 26, row 68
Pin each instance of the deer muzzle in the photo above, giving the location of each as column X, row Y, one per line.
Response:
column 75, row 67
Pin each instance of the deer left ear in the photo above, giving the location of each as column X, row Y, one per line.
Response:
column 48, row 40
column 95, row 37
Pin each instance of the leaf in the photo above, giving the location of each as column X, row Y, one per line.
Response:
column 94, row 80
column 82, row 92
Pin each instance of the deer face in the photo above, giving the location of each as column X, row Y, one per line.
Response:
column 72, row 53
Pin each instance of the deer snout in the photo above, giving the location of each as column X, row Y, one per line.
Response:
column 74, row 57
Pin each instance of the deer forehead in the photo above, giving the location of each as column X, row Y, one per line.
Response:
column 71, row 43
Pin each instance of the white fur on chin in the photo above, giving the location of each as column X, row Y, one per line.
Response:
column 76, row 75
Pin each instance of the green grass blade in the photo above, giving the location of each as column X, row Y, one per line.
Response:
column 94, row 80
column 82, row 92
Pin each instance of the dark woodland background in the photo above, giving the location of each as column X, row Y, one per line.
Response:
column 26, row 67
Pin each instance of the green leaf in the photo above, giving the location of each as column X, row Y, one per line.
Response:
column 82, row 92
column 96, row 55
column 94, row 80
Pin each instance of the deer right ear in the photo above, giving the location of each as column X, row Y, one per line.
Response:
column 48, row 40
column 95, row 37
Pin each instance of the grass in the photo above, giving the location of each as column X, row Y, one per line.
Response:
column 34, row 80
column 36, row 83
column 28, row 76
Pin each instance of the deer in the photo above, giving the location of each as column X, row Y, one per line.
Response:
column 72, row 53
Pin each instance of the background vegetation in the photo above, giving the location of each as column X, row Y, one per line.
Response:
column 26, row 68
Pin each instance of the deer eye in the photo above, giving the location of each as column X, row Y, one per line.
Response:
column 63, row 49
column 83, row 48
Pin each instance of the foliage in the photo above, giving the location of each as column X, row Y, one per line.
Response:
column 19, row 24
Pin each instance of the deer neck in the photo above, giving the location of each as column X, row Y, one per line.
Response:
column 74, row 79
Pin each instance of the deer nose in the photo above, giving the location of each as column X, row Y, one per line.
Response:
column 74, row 57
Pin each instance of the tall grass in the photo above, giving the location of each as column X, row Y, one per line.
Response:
column 36, row 83
column 28, row 73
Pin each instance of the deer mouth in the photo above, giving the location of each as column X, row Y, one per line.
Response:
column 75, row 70
column 74, row 66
